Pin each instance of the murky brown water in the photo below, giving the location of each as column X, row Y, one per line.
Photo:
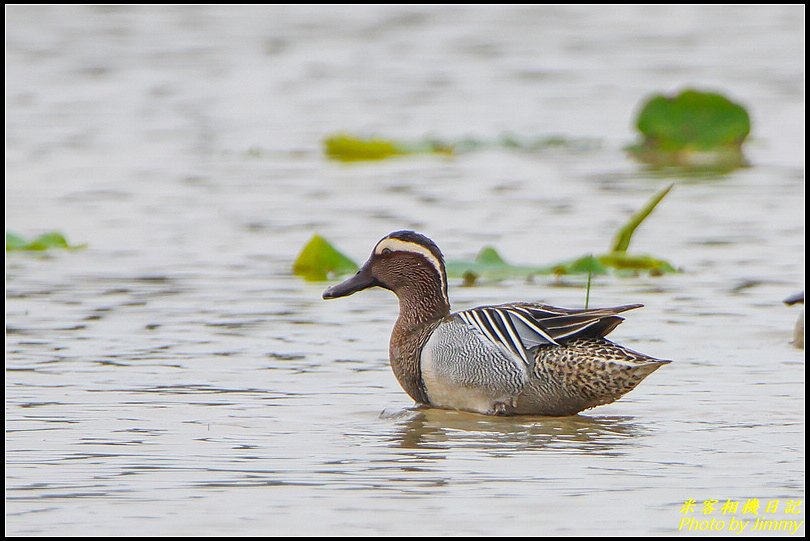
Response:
column 173, row 378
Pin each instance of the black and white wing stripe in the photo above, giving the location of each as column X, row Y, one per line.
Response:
column 507, row 328
column 522, row 326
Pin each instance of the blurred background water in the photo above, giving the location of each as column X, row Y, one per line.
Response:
column 175, row 378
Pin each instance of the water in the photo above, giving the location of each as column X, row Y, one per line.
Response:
column 173, row 378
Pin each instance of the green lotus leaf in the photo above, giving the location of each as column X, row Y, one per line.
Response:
column 46, row 241
column 348, row 148
column 320, row 261
column 693, row 131
column 693, row 120
column 488, row 265
column 625, row 234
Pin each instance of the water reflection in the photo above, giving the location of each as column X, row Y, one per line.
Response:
column 441, row 429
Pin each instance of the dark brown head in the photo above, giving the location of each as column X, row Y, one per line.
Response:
column 407, row 263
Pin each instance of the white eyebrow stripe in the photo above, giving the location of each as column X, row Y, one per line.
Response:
column 404, row 246
column 400, row 245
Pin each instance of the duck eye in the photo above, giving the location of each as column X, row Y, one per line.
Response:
column 386, row 251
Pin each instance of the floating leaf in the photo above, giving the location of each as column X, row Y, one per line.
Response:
column 693, row 128
column 350, row 148
column 625, row 234
column 693, row 120
column 474, row 271
column 588, row 264
column 46, row 241
column 14, row 241
column 320, row 261
column 621, row 261
column 347, row 148
column 489, row 265
column 489, row 256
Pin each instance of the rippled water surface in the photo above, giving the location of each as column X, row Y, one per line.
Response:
column 174, row 378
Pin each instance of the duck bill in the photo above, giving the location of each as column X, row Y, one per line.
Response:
column 360, row 281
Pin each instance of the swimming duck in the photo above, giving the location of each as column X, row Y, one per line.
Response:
column 798, row 330
column 508, row 359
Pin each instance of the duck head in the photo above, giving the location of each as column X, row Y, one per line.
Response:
column 407, row 263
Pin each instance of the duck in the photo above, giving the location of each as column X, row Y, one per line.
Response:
column 520, row 358
column 798, row 329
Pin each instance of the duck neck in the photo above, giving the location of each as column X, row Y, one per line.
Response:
column 421, row 308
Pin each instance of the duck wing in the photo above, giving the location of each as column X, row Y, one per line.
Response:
column 519, row 327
